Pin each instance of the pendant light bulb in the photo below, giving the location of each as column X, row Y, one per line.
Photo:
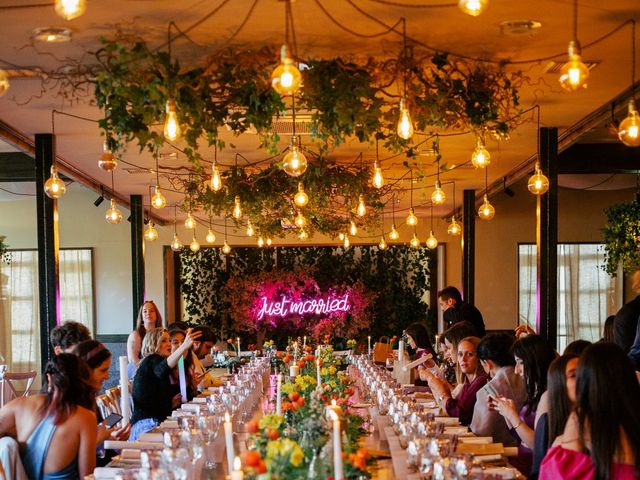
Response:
column 303, row 235
column 54, row 187
column 286, row 78
column 108, row 161
column 158, row 201
column 574, row 74
column 346, row 244
column 378, row 180
column 226, row 249
column 341, row 236
column 250, row 230
column 415, row 243
column 432, row 241
column 405, row 124
column 190, row 222
column 113, row 215
column 211, row 237
column 216, row 180
column 454, row 228
column 151, row 234
column 176, row 244
column 260, row 242
column 628, row 131
column 486, row 210
column 237, row 208
column 269, row 242
column 473, row 7
column 194, row 246
column 300, row 221
column 294, row 162
column 70, row 9
column 538, row 184
column 4, row 82
column 301, row 199
column 480, row 157
column 393, row 234
column 362, row 208
column 438, row 197
column 383, row 243
column 172, row 129
column 412, row 220
column 353, row 230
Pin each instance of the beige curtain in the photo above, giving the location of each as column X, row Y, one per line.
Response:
column 76, row 288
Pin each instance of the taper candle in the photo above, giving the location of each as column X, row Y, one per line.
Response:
column 279, row 395
column 337, row 447
column 228, row 440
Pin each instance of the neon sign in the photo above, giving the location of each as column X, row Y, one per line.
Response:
column 327, row 305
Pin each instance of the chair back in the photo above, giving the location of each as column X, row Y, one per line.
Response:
column 8, row 390
column 114, row 396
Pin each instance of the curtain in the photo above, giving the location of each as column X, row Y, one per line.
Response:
column 76, row 287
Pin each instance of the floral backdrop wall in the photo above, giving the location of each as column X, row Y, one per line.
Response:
column 387, row 290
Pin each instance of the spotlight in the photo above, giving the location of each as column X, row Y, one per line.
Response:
column 98, row 201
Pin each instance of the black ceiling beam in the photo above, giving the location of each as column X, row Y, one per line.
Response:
column 599, row 158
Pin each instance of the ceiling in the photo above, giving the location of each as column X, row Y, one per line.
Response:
column 26, row 107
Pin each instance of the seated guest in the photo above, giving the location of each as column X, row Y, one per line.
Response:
column 148, row 318
column 448, row 366
column 177, row 338
column 454, row 310
column 533, row 355
column 418, row 340
column 576, row 347
column 66, row 336
column 202, row 358
column 607, row 330
column 602, row 436
column 153, row 395
column 452, row 337
column 561, row 397
column 56, row 430
column 474, row 379
column 494, row 352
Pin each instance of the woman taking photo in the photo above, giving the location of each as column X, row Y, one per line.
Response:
column 148, row 319
column 56, row 430
column 418, row 339
column 601, row 439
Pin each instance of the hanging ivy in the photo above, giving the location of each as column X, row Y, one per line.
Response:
column 621, row 238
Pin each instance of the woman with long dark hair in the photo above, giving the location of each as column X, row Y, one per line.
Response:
column 56, row 430
column 601, row 439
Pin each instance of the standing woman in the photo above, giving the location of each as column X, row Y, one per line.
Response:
column 148, row 318
column 56, row 431
column 602, row 436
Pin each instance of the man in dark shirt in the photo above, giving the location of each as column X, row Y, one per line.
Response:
column 625, row 322
column 454, row 310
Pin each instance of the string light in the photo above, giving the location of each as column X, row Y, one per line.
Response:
column 341, row 236
column 574, row 73
column 438, row 197
column 415, row 242
column 226, row 249
column 393, row 234
column 54, row 187
column 260, row 242
column 353, row 230
column 237, row 208
column 176, row 244
column 480, row 157
column 113, row 215
column 194, row 246
column 362, row 208
column 405, row 124
column 250, row 231
column 172, row 130
column 303, row 235
column 383, row 243
column 158, row 201
column 432, row 241
column 269, row 242
column 108, row 161
column 412, row 220
column 294, row 162
column 346, row 244
column 486, row 210
column 286, row 78
column 454, row 227
column 211, row 236
column 300, row 221
column 70, row 9
column 628, row 129
column 151, row 234
column 216, row 179
column 473, row 7
column 538, row 184
column 377, row 180
column 190, row 222
column 301, row 199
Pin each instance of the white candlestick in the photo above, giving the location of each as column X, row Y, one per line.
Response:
column 337, row 447
column 295, row 352
column 228, row 440
column 401, row 351
column 318, row 379
column 279, row 396
column 369, row 342
column 124, row 390
column 237, row 473
column 294, row 370
column 304, row 342
column 238, row 342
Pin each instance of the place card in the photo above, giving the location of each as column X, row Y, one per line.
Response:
column 448, row 421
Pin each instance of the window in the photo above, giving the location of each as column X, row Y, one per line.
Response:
column 586, row 294
column 19, row 303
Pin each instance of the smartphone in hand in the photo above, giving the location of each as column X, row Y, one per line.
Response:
column 112, row 419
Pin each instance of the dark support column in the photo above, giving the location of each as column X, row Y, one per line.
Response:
column 547, row 240
column 468, row 245
column 47, row 220
column 137, row 254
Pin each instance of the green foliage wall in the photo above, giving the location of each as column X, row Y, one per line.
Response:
column 400, row 276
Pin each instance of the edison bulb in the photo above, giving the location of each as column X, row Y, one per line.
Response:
column 438, row 197
column 269, row 242
column 226, row 249
column 480, row 157
column 113, row 215
column 70, row 9
column 300, row 221
column 432, row 241
column 4, row 82
column 412, row 220
column 303, row 235
column 294, row 162
column 250, row 230
column 108, row 161
column 538, row 184
column 158, row 201
column 54, row 187
column 151, row 233
column 172, row 129
column 473, row 7
column 628, row 129
column 216, row 180
column 362, row 208
column 346, row 243
column 211, row 237
column 454, row 228
column 301, row 199
column 286, row 78
column 383, row 244
column 415, row 243
column 237, row 209
column 378, row 179
column 176, row 244
column 190, row 222
column 405, row 124
column 194, row 246
column 393, row 234
column 353, row 230
column 260, row 242
column 486, row 210
column 341, row 236
column 574, row 74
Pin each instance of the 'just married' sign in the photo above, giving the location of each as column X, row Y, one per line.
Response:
column 285, row 306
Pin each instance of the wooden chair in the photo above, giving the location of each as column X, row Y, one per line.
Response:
column 8, row 390
column 114, row 395
column 104, row 404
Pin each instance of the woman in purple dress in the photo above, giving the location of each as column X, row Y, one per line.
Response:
column 418, row 340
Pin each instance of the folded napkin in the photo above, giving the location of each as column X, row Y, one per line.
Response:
column 199, row 400
column 154, row 437
column 169, row 424
column 119, row 445
column 106, row 473
column 449, row 421
column 130, row 454
column 476, row 439
column 190, row 407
